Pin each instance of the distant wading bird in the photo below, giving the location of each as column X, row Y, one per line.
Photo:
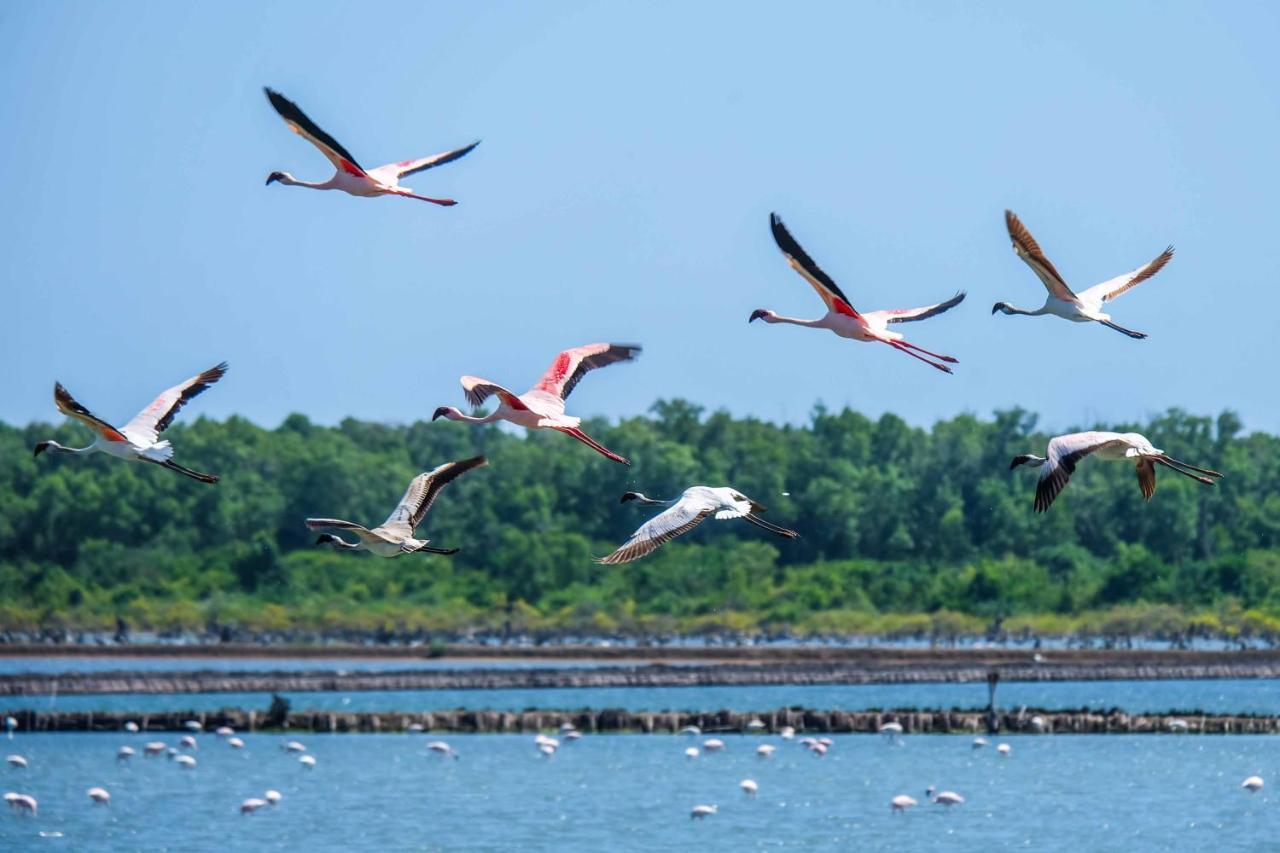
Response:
column 1066, row 451
column 395, row 535
column 841, row 317
column 138, row 440
column 350, row 176
column 1061, row 302
column 542, row 406
column 693, row 507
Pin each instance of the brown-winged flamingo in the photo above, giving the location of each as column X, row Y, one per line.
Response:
column 696, row 505
column 1066, row 451
column 139, row 439
column 1085, row 306
column 841, row 317
column 349, row 176
column 395, row 536
column 542, row 406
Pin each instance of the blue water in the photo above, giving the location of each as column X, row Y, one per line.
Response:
column 1259, row 696
column 634, row 792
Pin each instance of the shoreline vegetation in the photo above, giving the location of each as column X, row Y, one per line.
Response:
column 906, row 533
column 614, row 721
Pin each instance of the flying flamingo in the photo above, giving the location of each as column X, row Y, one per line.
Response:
column 138, row 440
column 395, row 535
column 542, row 406
column 1065, row 451
column 841, row 317
column 350, row 176
column 1082, row 307
column 696, row 505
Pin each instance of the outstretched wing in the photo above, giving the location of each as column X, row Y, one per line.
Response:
column 411, row 167
column 910, row 315
column 660, row 529
column 72, row 409
column 570, row 366
column 478, row 390
column 1065, row 452
column 1112, row 288
column 422, row 493
column 147, row 425
column 306, row 128
column 1028, row 249
column 800, row 261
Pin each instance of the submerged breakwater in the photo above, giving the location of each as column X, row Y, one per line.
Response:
column 665, row 722
column 1149, row 667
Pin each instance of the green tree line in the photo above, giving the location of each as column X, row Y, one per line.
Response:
column 903, row 529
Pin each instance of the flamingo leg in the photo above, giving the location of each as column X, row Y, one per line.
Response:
column 1192, row 467
column 1197, row 477
column 903, row 349
column 443, row 202
column 592, row 443
column 945, row 358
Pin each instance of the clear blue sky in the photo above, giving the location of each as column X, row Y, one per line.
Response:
column 631, row 155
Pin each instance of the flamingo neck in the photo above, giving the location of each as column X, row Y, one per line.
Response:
column 294, row 182
column 58, row 448
column 794, row 321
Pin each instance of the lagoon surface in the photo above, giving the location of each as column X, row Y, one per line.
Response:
column 1257, row 696
column 634, row 792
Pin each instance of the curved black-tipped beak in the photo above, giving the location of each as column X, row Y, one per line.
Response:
column 440, row 413
column 996, row 307
column 757, row 314
column 273, row 177
column 324, row 538
column 629, row 496
column 41, row 448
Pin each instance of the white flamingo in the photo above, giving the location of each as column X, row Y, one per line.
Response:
column 293, row 746
column 787, row 732
column 1083, row 307
column 153, row 748
column 124, row 754
column 901, row 803
column 17, row 761
column 841, row 318
column 441, row 748
column 187, row 762
column 251, row 805
column 349, row 176
column 1004, row 748
column 948, row 798
column 1252, row 784
column 139, row 439
column 23, row 803
column 273, row 797
column 691, row 752
column 765, row 750
column 1065, row 451
column 700, row 812
column 307, row 761
column 749, row 787
column 224, row 731
column 99, row 796
column 235, row 743
column 712, row 745
column 395, row 536
column 696, row 505
column 131, row 727
column 542, row 406
column 188, row 742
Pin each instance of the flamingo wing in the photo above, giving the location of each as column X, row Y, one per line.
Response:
column 411, row 167
column 1065, row 452
column 1026, row 247
column 1112, row 288
column 300, row 124
column 478, row 390
column 662, row 528
column 71, row 408
column 147, row 425
column 570, row 366
column 422, row 493
column 800, row 261
column 910, row 315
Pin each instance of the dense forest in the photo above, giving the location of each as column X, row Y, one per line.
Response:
column 903, row 530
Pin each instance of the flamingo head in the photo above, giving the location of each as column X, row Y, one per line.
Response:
column 1003, row 307
column 42, row 447
column 277, row 176
column 631, row 496
column 446, row 412
column 1025, row 459
column 328, row 538
column 760, row 314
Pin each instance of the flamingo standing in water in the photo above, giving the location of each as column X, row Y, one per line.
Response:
column 350, row 176
column 542, row 406
column 1066, row 451
column 1083, row 307
column 138, row 440
column 841, row 318
column 395, row 536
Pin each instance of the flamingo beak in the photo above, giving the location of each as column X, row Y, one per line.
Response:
column 629, row 496
column 440, row 413
column 41, row 448
column 273, row 177
column 757, row 314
